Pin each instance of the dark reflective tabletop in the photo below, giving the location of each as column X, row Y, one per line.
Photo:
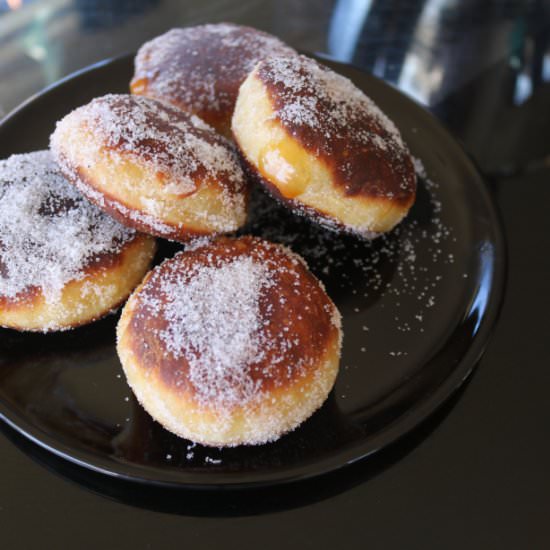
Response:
column 476, row 474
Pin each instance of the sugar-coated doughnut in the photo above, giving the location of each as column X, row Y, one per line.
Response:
column 322, row 147
column 152, row 166
column 63, row 262
column 230, row 342
column 199, row 69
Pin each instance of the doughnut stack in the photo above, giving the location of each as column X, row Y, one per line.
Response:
column 232, row 341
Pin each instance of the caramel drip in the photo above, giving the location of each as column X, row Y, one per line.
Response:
column 286, row 164
column 139, row 86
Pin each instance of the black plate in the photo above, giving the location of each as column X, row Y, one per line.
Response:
column 417, row 304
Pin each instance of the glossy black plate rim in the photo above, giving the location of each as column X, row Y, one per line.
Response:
column 417, row 414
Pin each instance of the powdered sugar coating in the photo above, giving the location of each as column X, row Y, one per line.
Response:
column 338, row 123
column 182, row 146
column 236, row 319
column 221, row 350
column 49, row 234
column 181, row 153
column 201, row 68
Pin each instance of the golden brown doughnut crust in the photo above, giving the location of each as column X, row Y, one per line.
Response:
column 322, row 147
column 298, row 338
column 63, row 262
column 311, row 332
column 351, row 135
column 153, row 167
column 101, row 288
column 199, row 69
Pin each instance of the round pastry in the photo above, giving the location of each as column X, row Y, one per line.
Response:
column 322, row 147
column 153, row 167
column 63, row 262
column 231, row 342
column 199, row 69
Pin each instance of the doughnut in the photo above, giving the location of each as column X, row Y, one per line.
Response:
column 231, row 342
column 63, row 262
column 153, row 167
column 322, row 147
column 199, row 69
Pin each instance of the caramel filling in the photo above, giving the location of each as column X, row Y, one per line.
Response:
column 139, row 86
column 286, row 165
